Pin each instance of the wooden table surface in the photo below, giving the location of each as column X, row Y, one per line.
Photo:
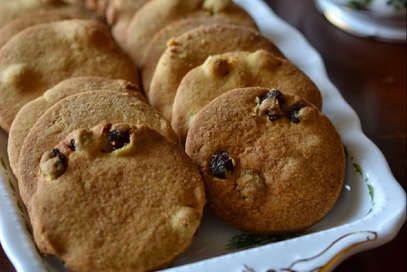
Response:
column 371, row 76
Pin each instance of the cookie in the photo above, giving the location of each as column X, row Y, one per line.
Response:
column 156, row 14
column 118, row 16
column 30, row 112
column 75, row 2
column 158, row 43
column 98, row 209
column 31, row 64
column 37, row 17
column 271, row 161
column 224, row 72
column 83, row 110
column 97, row 6
column 11, row 9
column 191, row 49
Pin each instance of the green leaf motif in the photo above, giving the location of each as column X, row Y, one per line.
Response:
column 358, row 169
column 244, row 241
column 371, row 191
column 345, row 149
column 19, row 206
column 359, row 4
column 3, row 163
column 27, row 227
column 11, row 185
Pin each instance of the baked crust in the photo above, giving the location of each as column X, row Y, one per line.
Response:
column 116, row 198
column 271, row 162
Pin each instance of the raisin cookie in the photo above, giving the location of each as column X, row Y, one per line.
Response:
column 31, row 64
column 156, row 14
column 191, row 49
column 116, row 198
column 158, row 43
column 30, row 112
column 224, row 72
column 271, row 161
column 83, row 110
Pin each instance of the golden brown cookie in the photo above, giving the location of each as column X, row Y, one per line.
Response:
column 224, row 72
column 116, row 198
column 83, row 110
column 75, row 2
column 97, row 6
column 45, row 16
column 119, row 14
column 156, row 14
column 11, row 9
column 158, row 43
column 271, row 162
column 30, row 112
column 72, row 48
column 191, row 49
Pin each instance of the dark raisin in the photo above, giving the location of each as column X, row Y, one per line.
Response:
column 273, row 93
column 220, row 164
column 57, row 153
column 118, row 138
column 71, row 145
column 60, row 164
column 292, row 112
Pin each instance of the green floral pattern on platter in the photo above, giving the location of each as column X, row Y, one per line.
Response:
column 245, row 240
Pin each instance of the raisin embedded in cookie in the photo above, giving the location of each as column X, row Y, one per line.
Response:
column 116, row 198
column 238, row 69
column 191, row 49
column 30, row 112
column 82, row 110
column 271, row 161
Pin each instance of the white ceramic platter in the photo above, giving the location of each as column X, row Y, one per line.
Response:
column 369, row 213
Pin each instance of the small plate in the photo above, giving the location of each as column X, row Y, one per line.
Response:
column 369, row 213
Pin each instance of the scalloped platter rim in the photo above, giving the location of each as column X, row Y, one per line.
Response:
column 368, row 214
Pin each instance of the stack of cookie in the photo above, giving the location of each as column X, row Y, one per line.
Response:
column 126, row 117
column 104, row 181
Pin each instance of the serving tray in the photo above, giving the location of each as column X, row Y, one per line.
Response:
column 369, row 212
